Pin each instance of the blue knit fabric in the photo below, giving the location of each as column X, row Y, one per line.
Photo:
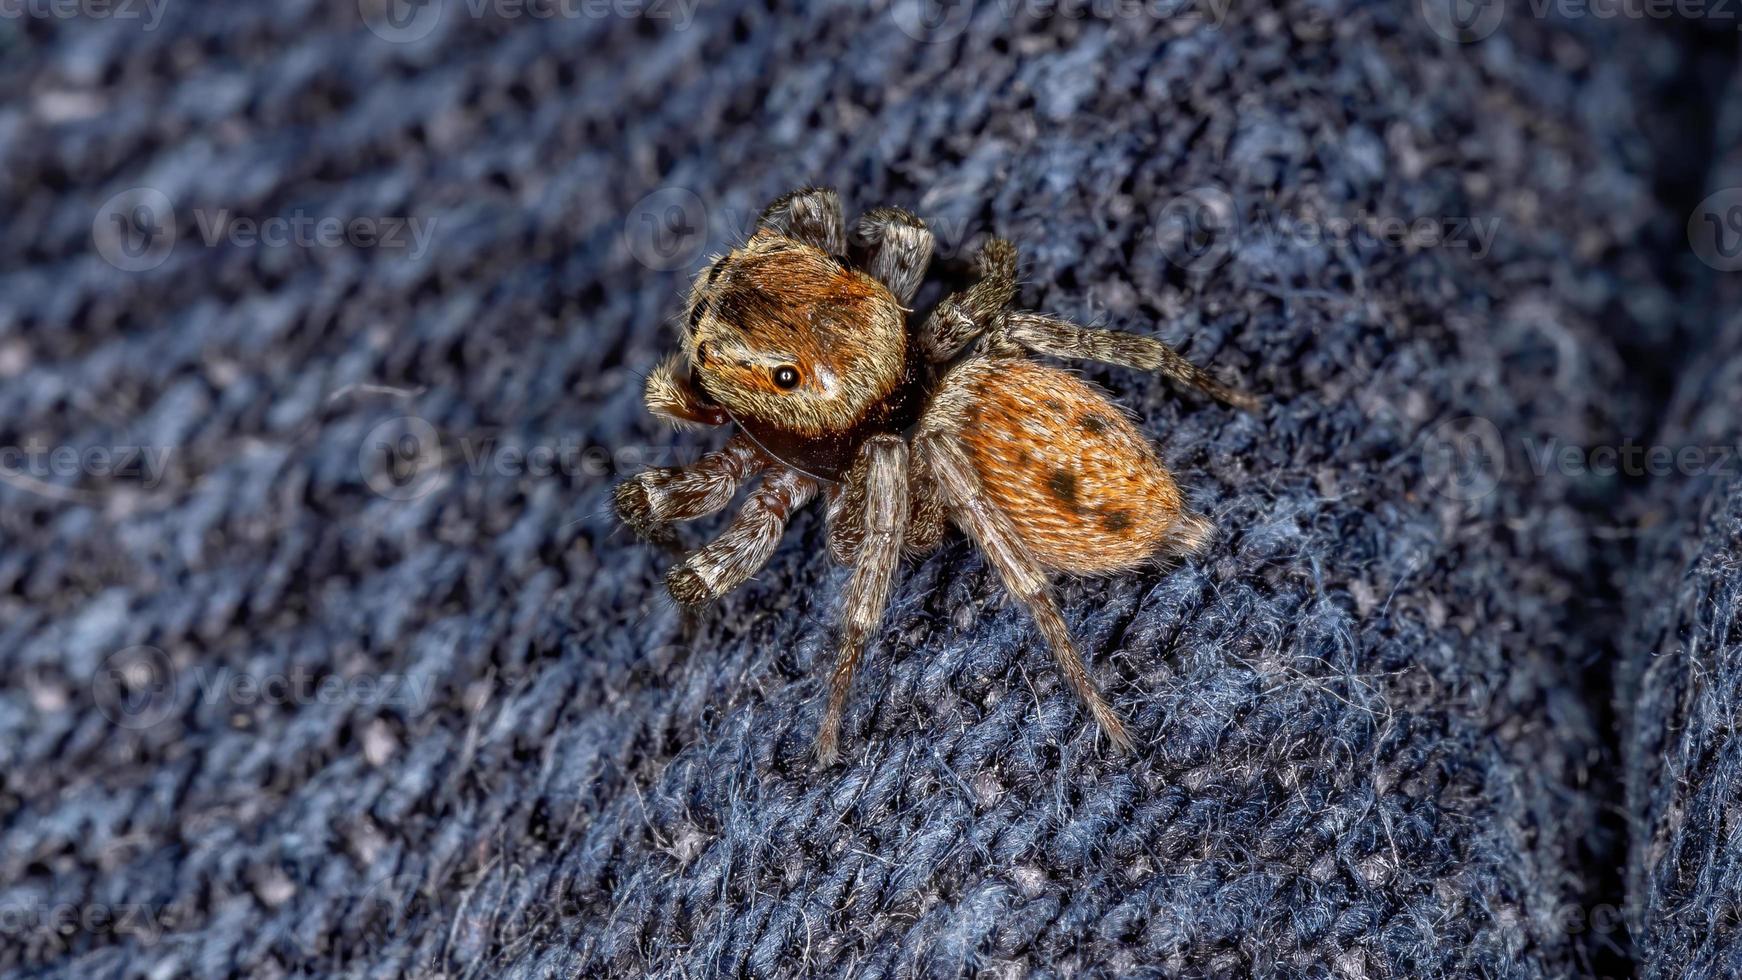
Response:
column 1681, row 672
column 1381, row 730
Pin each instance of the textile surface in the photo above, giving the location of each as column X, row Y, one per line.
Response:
column 1681, row 668
column 335, row 663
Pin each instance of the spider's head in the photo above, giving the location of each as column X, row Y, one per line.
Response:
column 783, row 334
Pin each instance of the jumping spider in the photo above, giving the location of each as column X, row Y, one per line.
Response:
column 904, row 431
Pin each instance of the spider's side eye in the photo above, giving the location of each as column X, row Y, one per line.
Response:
column 786, row 377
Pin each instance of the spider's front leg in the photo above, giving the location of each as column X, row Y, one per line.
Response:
column 1060, row 338
column 655, row 497
column 997, row 536
column 927, row 519
column 747, row 543
column 897, row 249
column 885, row 527
column 963, row 316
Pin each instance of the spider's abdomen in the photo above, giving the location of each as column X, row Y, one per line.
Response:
column 1082, row 485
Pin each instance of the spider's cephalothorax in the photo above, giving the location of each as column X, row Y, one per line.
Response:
column 904, row 432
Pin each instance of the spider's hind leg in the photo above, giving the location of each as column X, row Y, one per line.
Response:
column 995, row 533
column 811, row 215
column 897, row 249
column 1060, row 338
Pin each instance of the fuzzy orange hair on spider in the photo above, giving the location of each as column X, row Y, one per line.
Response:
column 905, row 430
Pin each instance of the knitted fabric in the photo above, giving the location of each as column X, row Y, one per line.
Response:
column 449, row 724
column 1681, row 672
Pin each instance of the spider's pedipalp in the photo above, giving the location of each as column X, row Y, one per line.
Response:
column 997, row 536
column 746, row 544
column 811, row 215
column 1061, row 338
column 885, row 524
column 671, row 395
column 655, row 497
column 897, row 248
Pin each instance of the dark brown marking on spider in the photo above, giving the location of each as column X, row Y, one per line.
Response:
column 739, row 304
column 1063, row 484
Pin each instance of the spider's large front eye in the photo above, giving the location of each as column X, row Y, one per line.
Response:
column 786, row 377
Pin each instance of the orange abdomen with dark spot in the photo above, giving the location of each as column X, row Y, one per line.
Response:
column 1082, row 485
